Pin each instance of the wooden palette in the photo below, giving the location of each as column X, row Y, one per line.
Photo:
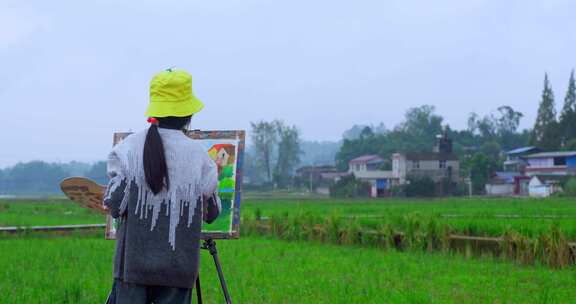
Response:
column 86, row 192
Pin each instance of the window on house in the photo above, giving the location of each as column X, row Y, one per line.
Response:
column 442, row 164
column 559, row 161
column 416, row 164
column 357, row 167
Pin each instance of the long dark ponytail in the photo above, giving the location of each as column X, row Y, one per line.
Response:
column 155, row 168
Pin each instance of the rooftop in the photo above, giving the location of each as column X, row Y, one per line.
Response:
column 521, row 150
column 367, row 159
column 551, row 154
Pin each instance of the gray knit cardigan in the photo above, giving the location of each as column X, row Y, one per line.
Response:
column 158, row 236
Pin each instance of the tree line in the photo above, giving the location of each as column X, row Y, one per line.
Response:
column 39, row 177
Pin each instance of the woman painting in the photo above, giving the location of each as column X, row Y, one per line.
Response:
column 163, row 184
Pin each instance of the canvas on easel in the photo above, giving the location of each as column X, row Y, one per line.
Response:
column 226, row 148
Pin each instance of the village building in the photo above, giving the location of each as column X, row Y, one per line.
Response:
column 506, row 183
column 368, row 168
column 436, row 166
column 546, row 170
column 512, row 181
column 441, row 165
column 544, row 186
column 514, row 159
column 551, row 163
column 532, row 172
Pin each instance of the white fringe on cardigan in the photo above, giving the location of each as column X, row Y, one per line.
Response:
column 191, row 172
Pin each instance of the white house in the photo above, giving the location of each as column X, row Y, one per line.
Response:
column 543, row 186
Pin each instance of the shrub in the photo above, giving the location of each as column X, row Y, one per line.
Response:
column 420, row 186
column 570, row 187
column 349, row 186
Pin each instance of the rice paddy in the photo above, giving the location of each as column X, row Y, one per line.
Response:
column 289, row 266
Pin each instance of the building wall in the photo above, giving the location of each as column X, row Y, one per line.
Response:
column 431, row 168
column 571, row 162
column 357, row 167
column 541, row 162
column 540, row 191
column 538, row 166
column 500, row 189
column 402, row 168
column 399, row 167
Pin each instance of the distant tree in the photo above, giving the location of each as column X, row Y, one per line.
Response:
column 480, row 168
column 421, row 125
column 2, row 181
column 366, row 143
column 75, row 168
column 546, row 130
column 35, row 177
column 492, row 150
column 508, row 120
column 264, row 138
column 98, row 173
column 472, row 123
column 568, row 114
column 570, row 145
column 501, row 127
column 488, row 128
column 288, row 153
column 356, row 130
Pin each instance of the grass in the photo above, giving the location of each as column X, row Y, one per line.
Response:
column 260, row 270
column 77, row 268
column 50, row 212
column 477, row 216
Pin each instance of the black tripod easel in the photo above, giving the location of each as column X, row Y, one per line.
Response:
column 210, row 245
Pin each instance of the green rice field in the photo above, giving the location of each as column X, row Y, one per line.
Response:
column 76, row 268
column 476, row 216
column 259, row 270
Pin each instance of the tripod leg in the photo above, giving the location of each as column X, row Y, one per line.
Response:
column 198, row 290
column 211, row 246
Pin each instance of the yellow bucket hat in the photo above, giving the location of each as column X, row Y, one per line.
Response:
column 171, row 95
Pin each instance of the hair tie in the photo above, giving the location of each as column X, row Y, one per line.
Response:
column 153, row 120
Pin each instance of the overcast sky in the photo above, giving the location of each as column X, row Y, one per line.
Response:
column 73, row 72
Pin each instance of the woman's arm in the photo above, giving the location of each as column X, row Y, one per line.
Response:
column 209, row 188
column 116, row 186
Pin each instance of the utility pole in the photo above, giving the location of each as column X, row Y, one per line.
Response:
column 310, row 174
